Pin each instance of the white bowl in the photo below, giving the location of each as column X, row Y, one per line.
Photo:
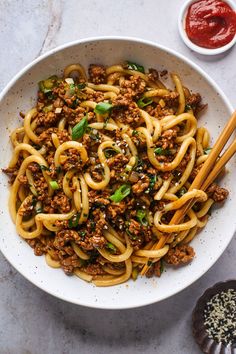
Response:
column 189, row 43
column 19, row 95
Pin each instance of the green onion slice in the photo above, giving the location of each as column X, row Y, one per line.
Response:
column 79, row 129
column 74, row 221
column 144, row 101
column 135, row 66
column 142, row 217
column 103, row 108
column 54, row 185
column 160, row 151
column 121, row 193
column 111, row 247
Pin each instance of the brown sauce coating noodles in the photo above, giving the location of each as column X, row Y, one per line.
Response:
column 99, row 166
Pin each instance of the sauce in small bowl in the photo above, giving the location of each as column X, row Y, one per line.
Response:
column 208, row 26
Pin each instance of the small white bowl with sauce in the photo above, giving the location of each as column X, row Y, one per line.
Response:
column 193, row 46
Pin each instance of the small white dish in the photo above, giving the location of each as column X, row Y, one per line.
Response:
column 189, row 43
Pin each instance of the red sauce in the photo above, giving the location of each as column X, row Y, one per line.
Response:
column 210, row 23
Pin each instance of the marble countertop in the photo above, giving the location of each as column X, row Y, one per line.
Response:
column 31, row 321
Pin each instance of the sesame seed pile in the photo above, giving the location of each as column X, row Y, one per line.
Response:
column 220, row 317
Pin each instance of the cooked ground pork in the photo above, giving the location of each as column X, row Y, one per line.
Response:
column 179, row 255
column 218, row 194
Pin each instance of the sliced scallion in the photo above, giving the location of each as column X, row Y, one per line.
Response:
column 79, row 129
column 121, row 193
column 144, row 101
column 142, row 217
column 54, row 185
column 103, row 108
column 135, row 66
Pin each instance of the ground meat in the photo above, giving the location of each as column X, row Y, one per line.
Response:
column 97, row 172
column 193, row 100
column 97, row 74
column 74, row 116
column 134, row 86
column 171, row 99
column 47, row 119
column 129, row 114
column 73, row 160
column 179, row 255
column 115, row 209
column 64, row 236
column 158, row 111
column 45, row 137
column 68, row 264
column 135, row 234
column 93, row 269
column 167, row 139
column 154, row 270
column 98, row 241
column 98, row 197
column 27, row 207
column 218, row 194
column 37, row 245
column 153, row 75
column 41, row 187
column 23, row 180
column 141, row 185
column 61, row 203
column 117, row 163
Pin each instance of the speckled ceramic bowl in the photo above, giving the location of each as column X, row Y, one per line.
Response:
column 208, row 345
column 20, row 95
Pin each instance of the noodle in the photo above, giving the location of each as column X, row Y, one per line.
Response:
column 99, row 167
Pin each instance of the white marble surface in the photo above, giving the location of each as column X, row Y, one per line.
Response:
column 31, row 321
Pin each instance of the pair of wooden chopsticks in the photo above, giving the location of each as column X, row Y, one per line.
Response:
column 207, row 174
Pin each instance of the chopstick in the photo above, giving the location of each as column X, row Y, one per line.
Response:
column 207, row 174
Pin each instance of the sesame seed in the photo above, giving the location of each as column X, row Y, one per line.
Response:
column 220, row 317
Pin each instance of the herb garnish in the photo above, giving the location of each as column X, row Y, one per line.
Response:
column 111, row 247
column 103, row 108
column 74, row 221
column 121, row 193
column 160, row 151
column 135, row 66
column 144, row 101
column 188, row 107
column 54, row 185
column 142, row 217
column 79, row 129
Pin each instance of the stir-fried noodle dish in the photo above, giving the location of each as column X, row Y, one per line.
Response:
column 101, row 164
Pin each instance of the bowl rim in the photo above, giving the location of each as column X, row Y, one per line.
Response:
column 137, row 40
column 195, row 47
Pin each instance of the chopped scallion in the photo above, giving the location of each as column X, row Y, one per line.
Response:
column 142, row 217
column 103, row 108
column 144, row 101
column 121, row 193
column 79, row 129
column 54, row 185
column 160, row 151
column 111, row 247
column 74, row 221
column 135, row 66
